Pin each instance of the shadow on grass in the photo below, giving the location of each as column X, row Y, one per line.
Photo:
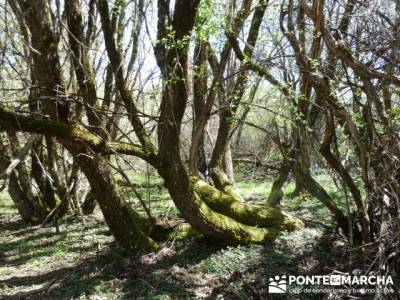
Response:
column 27, row 245
column 111, row 273
column 154, row 276
column 11, row 225
column 281, row 259
column 135, row 278
column 31, row 235
column 37, row 258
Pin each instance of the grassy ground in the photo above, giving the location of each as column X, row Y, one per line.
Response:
column 83, row 262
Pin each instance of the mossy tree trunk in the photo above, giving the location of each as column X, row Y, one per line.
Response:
column 192, row 202
column 215, row 226
column 47, row 69
column 253, row 215
column 227, row 221
column 122, row 221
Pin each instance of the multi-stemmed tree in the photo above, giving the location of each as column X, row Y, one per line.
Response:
column 336, row 74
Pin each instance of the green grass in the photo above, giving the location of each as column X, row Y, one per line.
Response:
column 85, row 263
column 230, row 259
column 254, row 191
column 304, row 205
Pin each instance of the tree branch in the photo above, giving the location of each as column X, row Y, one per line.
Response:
column 67, row 134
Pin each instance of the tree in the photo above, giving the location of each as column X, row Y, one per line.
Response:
column 216, row 212
column 336, row 86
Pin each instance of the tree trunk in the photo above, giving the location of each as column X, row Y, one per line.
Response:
column 228, row 164
column 123, row 222
column 89, row 204
column 221, row 158
column 197, row 160
column 24, row 206
column 276, row 194
column 47, row 69
column 253, row 215
column 28, row 204
column 42, row 180
column 213, row 225
column 316, row 190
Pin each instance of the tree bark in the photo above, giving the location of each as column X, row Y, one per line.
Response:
column 120, row 218
column 29, row 205
column 46, row 67
column 276, row 194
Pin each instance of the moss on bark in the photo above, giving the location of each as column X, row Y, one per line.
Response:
column 182, row 232
column 253, row 215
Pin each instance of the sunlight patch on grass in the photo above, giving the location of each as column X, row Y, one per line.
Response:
column 254, row 191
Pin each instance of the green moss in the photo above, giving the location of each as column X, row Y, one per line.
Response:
column 143, row 226
column 252, row 215
column 234, row 231
column 183, row 231
column 67, row 134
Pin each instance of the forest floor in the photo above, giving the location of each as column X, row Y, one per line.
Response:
column 83, row 262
